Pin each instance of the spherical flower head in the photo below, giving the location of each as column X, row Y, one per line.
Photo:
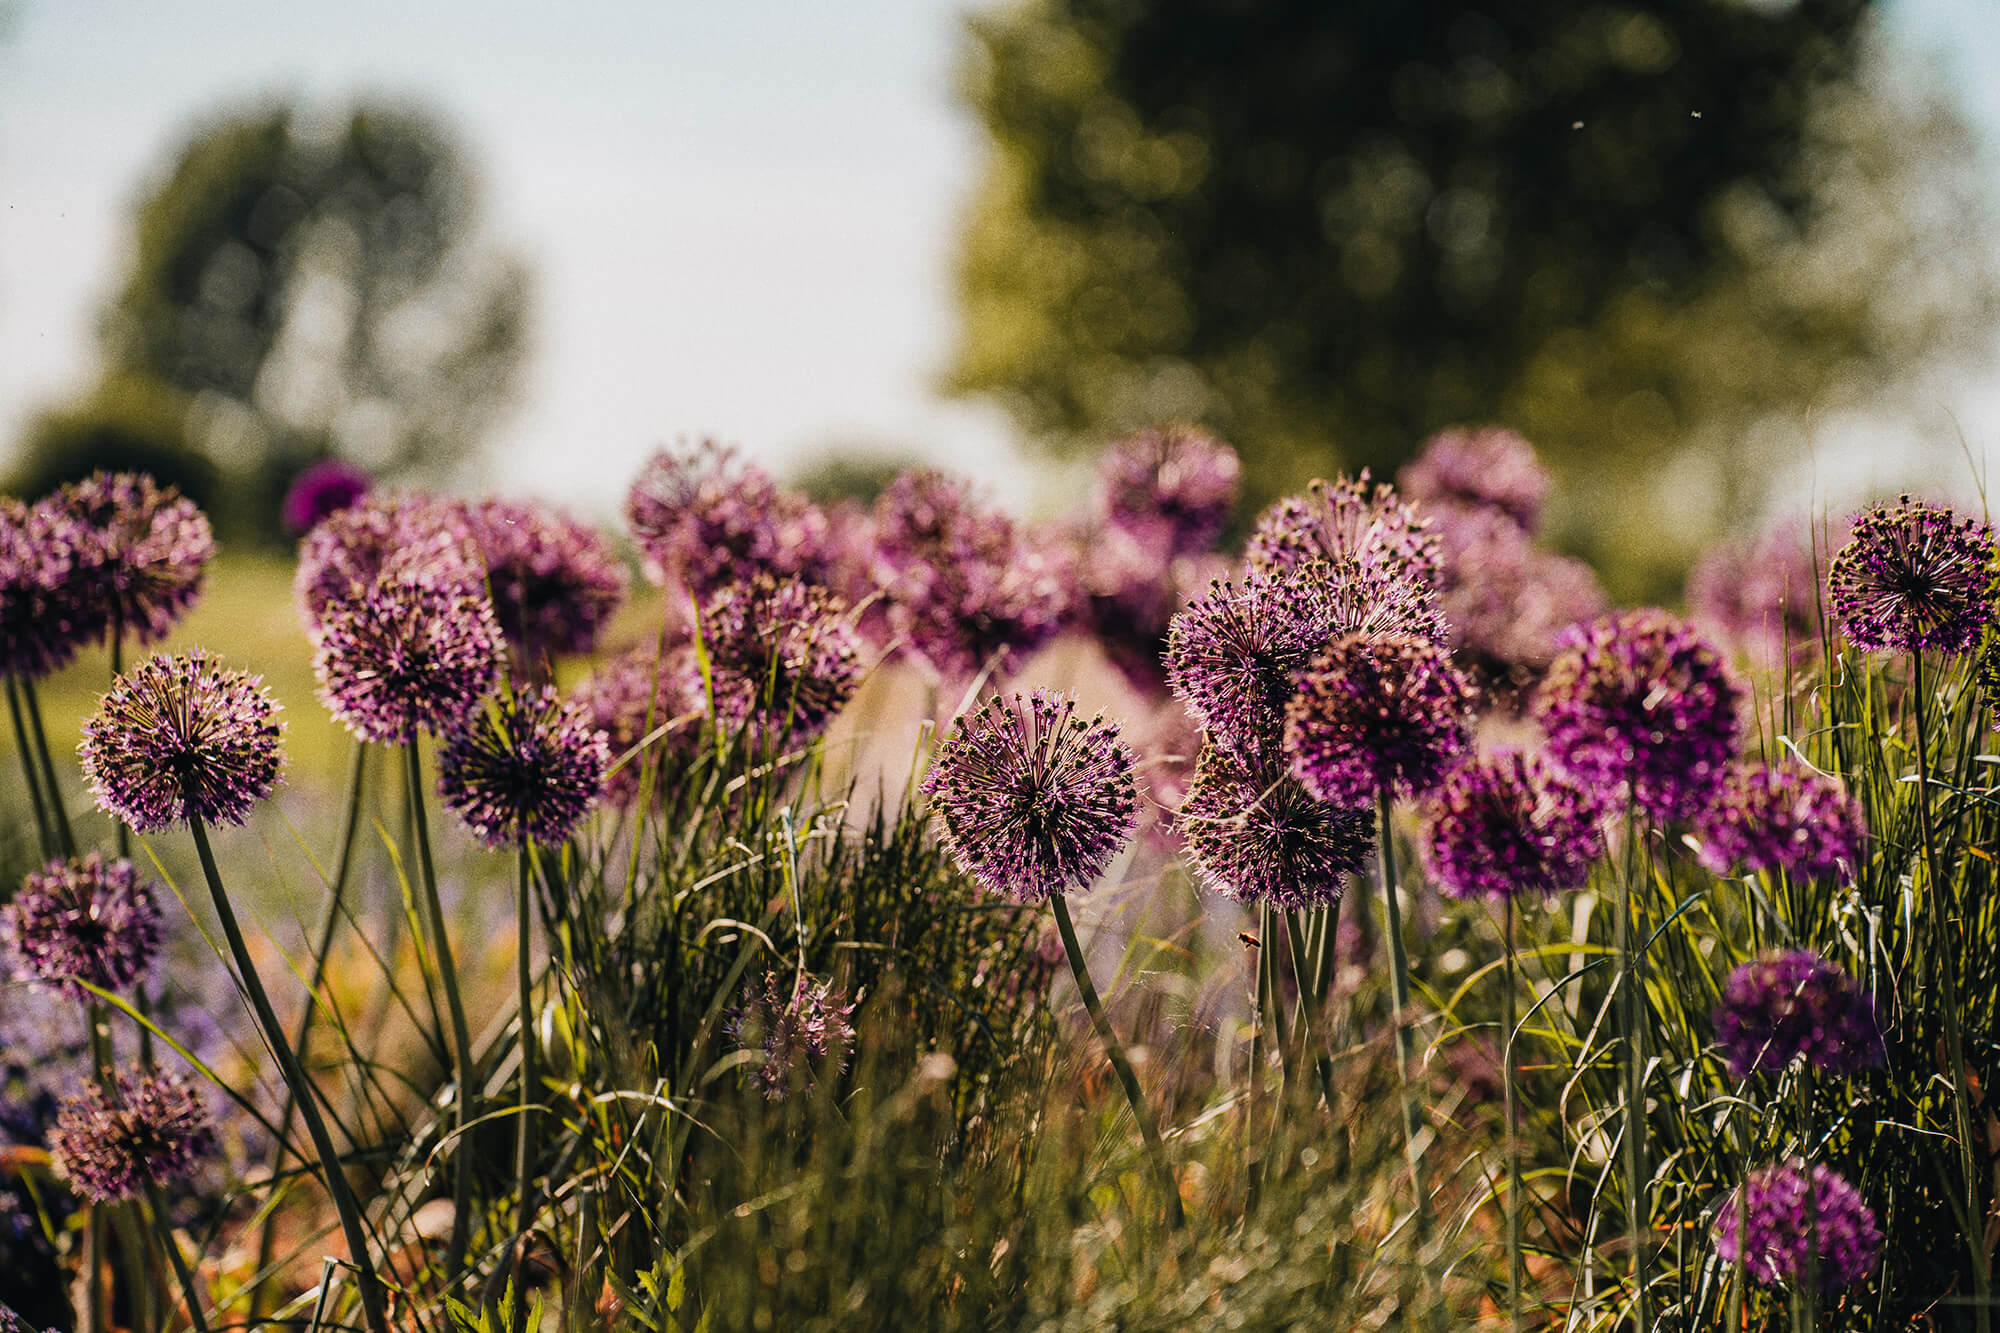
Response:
column 85, row 919
column 1783, row 818
column 1504, row 600
column 347, row 552
column 1638, row 706
column 324, row 488
column 1489, row 468
column 1128, row 597
column 143, row 551
column 417, row 650
column 1251, row 832
column 638, row 693
column 1349, row 519
column 179, row 736
column 1786, row 1219
column 555, row 583
column 146, row 1131
column 1173, row 490
column 797, row 1031
column 526, row 769
column 1510, row 823
column 1375, row 715
column 1763, row 597
column 706, row 519
column 783, row 658
column 1914, row 578
column 1032, row 799
column 43, row 619
column 1782, row 1006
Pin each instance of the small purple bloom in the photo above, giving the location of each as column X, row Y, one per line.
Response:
column 1914, row 578
column 638, row 693
column 1374, row 715
column 179, row 736
column 797, row 1029
column 85, row 919
column 1349, row 519
column 417, row 650
column 148, row 1130
column 324, row 488
column 555, row 583
column 142, row 551
column 783, row 658
column 1640, row 707
column 1763, row 597
column 348, row 551
column 43, row 621
column 1173, row 491
column 1033, row 799
column 1510, row 823
column 526, row 769
column 705, row 519
column 1782, row 1006
column 1251, row 832
column 1798, row 1219
column 1790, row 819
column 1487, row 467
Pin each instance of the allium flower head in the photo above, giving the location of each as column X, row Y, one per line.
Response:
column 1505, row 601
column 1790, row 819
column 1640, row 706
column 324, row 488
column 1349, row 519
column 1479, row 468
column 1782, row 1006
column 1129, row 595
column 1033, row 799
column 84, row 919
column 1798, row 1219
column 1251, row 832
column 526, row 769
column 1376, row 714
column 350, row 549
column 637, row 693
column 148, row 1130
column 411, row 652
column 1171, row 490
column 43, row 620
column 1763, row 597
column 797, row 1029
column 143, row 551
column 555, row 583
column 1914, row 578
column 783, row 657
column 705, row 519
column 180, row 736
column 1510, row 823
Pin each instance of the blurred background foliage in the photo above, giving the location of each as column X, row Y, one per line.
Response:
column 1660, row 238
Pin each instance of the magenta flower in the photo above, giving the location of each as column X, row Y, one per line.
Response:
column 555, row 583
column 84, row 919
column 1914, row 578
column 323, row 488
column 146, row 1131
column 1505, row 601
column 1128, row 597
column 417, row 650
column 1798, row 1219
column 1375, row 715
column 1349, row 519
column 141, row 553
column 705, row 519
column 526, row 769
column 1172, row 491
column 1489, row 468
column 1763, row 597
column 783, row 658
column 1509, row 823
column 797, row 1030
column 344, row 556
column 638, row 693
column 1790, row 819
column 1251, row 832
column 1791, row 1005
column 43, row 621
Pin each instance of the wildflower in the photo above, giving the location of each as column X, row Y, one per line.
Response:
column 349, row 550
column 1172, row 491
column 706, row 519
column 1640, row 707
column 1489, row 468
column 1913, row 578
column 638, row 693
column 1504, row 601
column 555, row 583
column 1798, row 1218
column 42, row 619
column 1128, row 595
column 1376, row 714
column 783, row 658
column 1349, row 519
column 1790, row 819
column 1033, row 799
column 1786, row 1005
column 323, row 488
column 84, row 919
column 1253, row 833
column 797, row 1031
column 180, row 737
column 146, row 1131
column 142, row 551
column 419, row 648
column 1763, row 597
column 1510, row 823
column 526, row 769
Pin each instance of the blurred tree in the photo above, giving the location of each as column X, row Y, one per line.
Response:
column 129, row 423
column 1629, row 230
column 314, row 286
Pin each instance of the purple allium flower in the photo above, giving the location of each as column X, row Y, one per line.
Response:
column 1914, row 578
column 1129, row 595
column 1785, row 1005
column 1639, row 706
column 148, row 1130
column 526, row 769
column 85, row 919
column 1253, row 833
column 1796, row 1218
column 348, row 551
column 1349, row 519
column 1762, row 597
column 1509, row 823
column 143, row 551
column 782, row 656
column 638, row 693
column 180, row 736
column 797, row 1029
column 324, row 488
column 1377, row 714
column 1504, row 600
column 1488, row 468
column 42, row 619
column 1794, row 819
column 1173, row 491
column 555, row 583
column 705, row 518
column 417, row 650
column 1033, row 799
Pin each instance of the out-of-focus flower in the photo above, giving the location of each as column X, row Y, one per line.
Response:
column 84, row 919
column 42, row 619
column 798, row 1030
column 1783, row 1006
column 1510, row 823
column 147, row 1130
column 1251, row 832
column 141, row 554
column 349, row 550
column 417, row 649
column 639, row 692
column 1032, row 799
column 177, row 736
column 1798, row 1219
column 1505, row 601
column 1487, row 467
column 706, row 519
column 322, row 489
column 555, row 583
column 1790, row 819
column 1914, row 578
column 1377, row 714
column 525, row 769
column 1171, row 491
column 1349, row 519
column 1129, row 594
column 783, row 658
column 1763, row 597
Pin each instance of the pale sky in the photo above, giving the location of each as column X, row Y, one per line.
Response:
column 739, row 216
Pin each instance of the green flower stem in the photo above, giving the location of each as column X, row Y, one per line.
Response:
column 58, row 813
column 1149, row 1129
column 524, row 1132
column 1312, row 1015
column 189, row 1295
column 1515, row 1268
column 1631, row 983
column 44, row 830
column 1399, row 1004
column 369, row 1284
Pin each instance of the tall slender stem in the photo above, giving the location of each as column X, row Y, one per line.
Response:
column 164, row 1228
column 295, row 1078
column 1515, row 1268
column 1631, row 983
column 524, row 1133
column 1399, row 1009
column 58, row 812
column 44, row 829
column 1149, row 1129
column 1312, row 1016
